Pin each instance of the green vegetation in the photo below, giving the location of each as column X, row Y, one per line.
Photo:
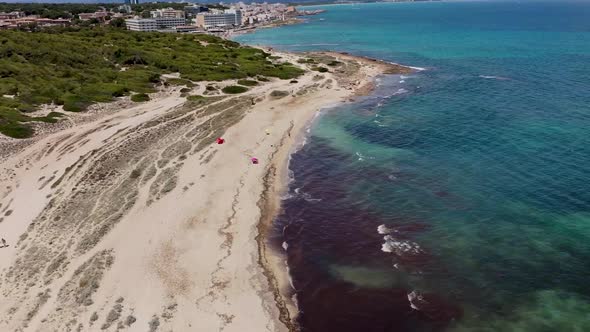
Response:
column 76, row 67
column 321, row 69
column 247, row 82
column 277, row 94
column 118, row 23
column 195, row 97
column 234, row 89
column 54, row 10
column 70, row 10
column 308, row 60
column 262, row 79
column 13, row 123
column 334, row 63
column 140, row 97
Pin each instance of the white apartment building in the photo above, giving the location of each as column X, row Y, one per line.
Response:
column 153, row 24
column 170, row 22
column 167, row 13
column 229, row 18
column 141, row 24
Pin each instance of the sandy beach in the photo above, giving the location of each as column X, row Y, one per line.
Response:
column 132, row 217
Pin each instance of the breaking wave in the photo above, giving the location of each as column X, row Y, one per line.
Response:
column 400, row 247
column 491, row 77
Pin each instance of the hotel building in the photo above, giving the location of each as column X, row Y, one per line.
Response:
column 141, row 24
column 229, row 18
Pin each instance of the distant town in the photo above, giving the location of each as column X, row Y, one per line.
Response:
column 163, row 17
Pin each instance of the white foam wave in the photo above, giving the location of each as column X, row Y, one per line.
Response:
column 382, row 229
column 362, row 157
column 294, row 299
column 491, row 77
column 285, row 245
column 400, row 247
column 287, row 196
column 417, row 68
column 306, row 196
column 290, row 279
column 303, row 140
column 415, row 299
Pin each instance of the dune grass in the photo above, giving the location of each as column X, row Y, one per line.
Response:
column 234, row 89
column 140, row 97
column 247, row 82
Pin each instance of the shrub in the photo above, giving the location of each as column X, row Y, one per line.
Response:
column 234, row 89
column 308, row 60
column 74, row 103
column 16, row 130
column 247, row 82
column 140, row 97
column 321, row 69
column 279, row 94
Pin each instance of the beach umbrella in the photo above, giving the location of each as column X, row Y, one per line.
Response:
column 220, row 140
column 254, row 160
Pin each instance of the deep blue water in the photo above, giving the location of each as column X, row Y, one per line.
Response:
column 478, row 167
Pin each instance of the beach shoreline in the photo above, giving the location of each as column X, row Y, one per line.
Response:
column 272, row 259
column 142, row 198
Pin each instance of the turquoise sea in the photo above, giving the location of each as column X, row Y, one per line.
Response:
column 456, row 198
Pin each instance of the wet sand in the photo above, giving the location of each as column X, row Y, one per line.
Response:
column 131, row 217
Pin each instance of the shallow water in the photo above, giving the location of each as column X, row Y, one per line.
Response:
column 477, row 168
